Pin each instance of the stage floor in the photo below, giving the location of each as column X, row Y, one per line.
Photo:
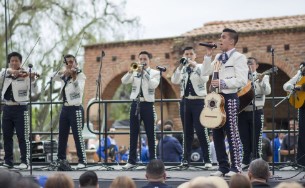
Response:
column 175, row 175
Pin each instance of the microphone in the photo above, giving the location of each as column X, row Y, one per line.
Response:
column 209, row 45
column 30, row 65
column 302, row 65
column 161, row 69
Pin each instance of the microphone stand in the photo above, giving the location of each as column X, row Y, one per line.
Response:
column 4, row 76
column 161, row 110
column 30, row 116
column 254, row 151
column 98, row 98
column 138, row 112
column 52, row 165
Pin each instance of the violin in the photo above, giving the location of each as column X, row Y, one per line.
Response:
column 21, row 73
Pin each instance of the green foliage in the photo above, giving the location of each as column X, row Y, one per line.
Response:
column 120, row 111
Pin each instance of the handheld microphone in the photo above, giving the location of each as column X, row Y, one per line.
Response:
column 30, row 65
column 209, row 45
column 161, row 69
column 302, row 65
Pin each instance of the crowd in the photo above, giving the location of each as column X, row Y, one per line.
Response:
column 257, row 176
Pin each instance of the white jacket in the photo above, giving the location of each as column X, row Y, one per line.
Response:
column 150, row 82
column 234, row 72
column 197, row 79
column 288, row 86
column 74, row 89
column 20, row 87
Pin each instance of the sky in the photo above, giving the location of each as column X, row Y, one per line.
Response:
column 168, row 18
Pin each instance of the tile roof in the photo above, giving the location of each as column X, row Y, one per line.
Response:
column 250, row 25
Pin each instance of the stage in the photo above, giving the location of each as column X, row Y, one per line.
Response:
column 175, row 175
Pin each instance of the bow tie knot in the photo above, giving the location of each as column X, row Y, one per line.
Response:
column 223, row 58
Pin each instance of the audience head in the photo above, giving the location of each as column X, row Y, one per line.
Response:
column 155, row 171
column 88, row 179
column 59, row 180
column 27, row 182
column 259, row 169
column 239, row 181
column 122, row 181
column 289, row 185
column 208, row 182
column 8, row 178
column 184, row 185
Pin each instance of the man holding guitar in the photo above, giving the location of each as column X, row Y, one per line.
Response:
column 193, row 91
column 245, row 118
column 297, row 85
column 233, row 73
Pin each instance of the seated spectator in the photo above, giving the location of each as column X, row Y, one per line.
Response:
column 59, row 180
column 277, row 146
column 289, row 185
column 208, row 182
column 156, row 175
column 112, row 148
column 170, row 147
column 266, row 150
column 88, row 179
column 258, row 173
column 196, row 152
column 8, row 178
column 122, row 181
column 239, row 181
column 290, row 142
column 123, row 154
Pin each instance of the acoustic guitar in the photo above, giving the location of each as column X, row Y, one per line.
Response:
column 213, row 114
column 247, row 93
column 297, row 99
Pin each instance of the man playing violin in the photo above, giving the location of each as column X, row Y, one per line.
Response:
column 245, row 118
column 296, row 84
column 72, row 113
column 15, row 94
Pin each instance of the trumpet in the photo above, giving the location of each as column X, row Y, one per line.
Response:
column 184, row 61
column 135, row 66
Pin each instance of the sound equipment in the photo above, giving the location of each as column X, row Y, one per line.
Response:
column 213, row 114
column 247, row 93
column 297, row 99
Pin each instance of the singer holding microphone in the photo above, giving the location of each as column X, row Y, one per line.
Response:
column 144, row 81
column 233, row 74
column 296, row 83
column 72, row 113
column 15, row 95
column 193, row 91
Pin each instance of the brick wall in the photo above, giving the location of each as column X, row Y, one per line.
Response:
column 166, row 52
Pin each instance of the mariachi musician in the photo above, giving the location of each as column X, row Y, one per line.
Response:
column 193, row 91
column 15, row 94
column 72, row 113
column 245, row 118
column 296, row 85
column 232, row 76
column 144, row 81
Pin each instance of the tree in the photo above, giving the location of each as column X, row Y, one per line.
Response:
column 60, row 26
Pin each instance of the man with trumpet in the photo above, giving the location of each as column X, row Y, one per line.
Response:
column 245, row 118
column 144, row 81
column 193, row 91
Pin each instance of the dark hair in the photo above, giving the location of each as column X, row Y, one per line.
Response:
column 188, row 48
column 155, row 169
column 233, row 34
column 88, row 178
column 146, row 53
column 251, row 59
column 259, row 169
column 239, row 181
column 167, row 127
column 70, row 56
column 14, row 54
column 169, row 122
